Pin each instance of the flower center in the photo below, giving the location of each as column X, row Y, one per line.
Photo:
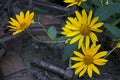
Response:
column 85, row 30
column 88, row 59
column 23, row 25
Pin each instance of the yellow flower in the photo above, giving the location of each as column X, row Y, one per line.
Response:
column 81, row 28
column 23, row 22
column 118, row 45
column 87, row 62
column 74, row 2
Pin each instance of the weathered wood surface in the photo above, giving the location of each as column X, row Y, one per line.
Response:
column 52, row 68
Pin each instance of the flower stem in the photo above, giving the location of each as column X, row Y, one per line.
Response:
column 39, row 40
column 102, row 3
column 34, row 37
column 110, row 52
column 44, row 29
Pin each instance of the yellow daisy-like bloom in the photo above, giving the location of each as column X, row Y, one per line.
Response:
column 23, row 22
column 74, row 2
column 87, row 62
column 82, row 27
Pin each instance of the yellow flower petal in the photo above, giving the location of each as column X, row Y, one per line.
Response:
column 15, row 28
column 80, row 42
column 30, row 18
column 83, row 71
column 79, row 64
column 27, row 15
column 79, row 17
column 68, row 23
column 71, row 27
column 74, row 2
column 17, row 32
column 66, row 29
column 76, row 59
column 69, row 1
column 94, row 51
column 79, row 54
column 96, row 30
column 84, row 49
column 89, row 17
column 93, row 37
column 95, row 69
column 94, row 20
column 84, row 16
column 79, row 3
column 72, row 33
column 93, row 46
column 20, row 20
column 100, row 54
column 73, row 21
column 89, row 70
column 97, row 25
column 87, row 42
column 22, row 15
column 63, row 33
column 14, row 22
column 79, row 68
column 100, row 61
column 71, row 4
column 76, row 38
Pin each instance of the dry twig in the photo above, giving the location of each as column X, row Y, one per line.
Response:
column 52, row 68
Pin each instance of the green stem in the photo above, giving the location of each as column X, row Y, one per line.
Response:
column 102, row 3
column 44, row 29
column 34, row 36
column 39, row 40
column 110, row 52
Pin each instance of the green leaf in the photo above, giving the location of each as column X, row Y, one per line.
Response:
column 101, row 3
column 68, row 51
column 112, row 36
column 107, row 11
column 61, row 38
column 52, row 32
column 87, row 7
column 115, row 31
column 117, row 21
